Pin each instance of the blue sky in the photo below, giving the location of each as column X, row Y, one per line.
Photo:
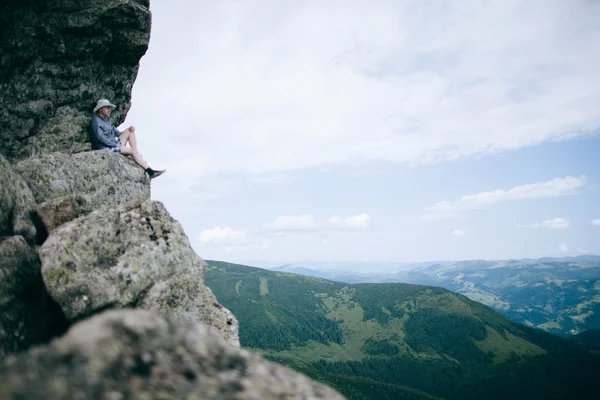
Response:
column 375, row 131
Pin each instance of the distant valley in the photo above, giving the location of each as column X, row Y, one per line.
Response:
column 399, row 341
column 559, row 295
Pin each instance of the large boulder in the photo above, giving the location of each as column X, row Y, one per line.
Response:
column 16, row 204
column 106, row 179
column 134, row 255
column 57, row 57
column 138, row 354
column 28, row 316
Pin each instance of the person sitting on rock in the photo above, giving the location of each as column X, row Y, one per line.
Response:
column 104, row 135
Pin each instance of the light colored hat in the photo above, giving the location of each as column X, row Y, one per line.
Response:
column 103, row 103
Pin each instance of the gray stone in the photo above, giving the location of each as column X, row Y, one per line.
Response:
column 54, row 213
column 221, row 318
column 105, row 178
column 28, row 316
column 135, row 255
column 138, row 354
column 57, row 58
column 16, row 204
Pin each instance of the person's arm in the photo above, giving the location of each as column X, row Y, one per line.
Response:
column 101, row 136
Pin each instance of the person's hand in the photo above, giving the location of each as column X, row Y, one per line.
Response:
column 131, row 128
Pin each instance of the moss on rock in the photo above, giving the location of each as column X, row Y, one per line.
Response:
column 134, row 255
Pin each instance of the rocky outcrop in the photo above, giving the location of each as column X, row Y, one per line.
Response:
column 28, row 316
column 57, row 58
column 16, row 204
column 137, row 354
column 134, row 255
column 104, row 178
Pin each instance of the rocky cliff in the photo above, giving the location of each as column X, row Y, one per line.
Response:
column 57, row 57
column 101, row 294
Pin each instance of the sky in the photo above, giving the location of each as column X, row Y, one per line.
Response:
column 375, row 130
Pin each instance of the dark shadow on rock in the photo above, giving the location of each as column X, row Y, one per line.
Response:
column 28, row 315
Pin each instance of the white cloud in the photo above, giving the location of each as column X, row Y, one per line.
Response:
column 459, row 232
column 556, row 187
column 219, row 235
column 563, row 248
column 276, row 86
column 358, row 221
column 556, row 223
column 596, row 222
column 306, row 222
column 227, row 239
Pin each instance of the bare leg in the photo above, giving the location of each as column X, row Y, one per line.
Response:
column 128, row 136
column 128, row 151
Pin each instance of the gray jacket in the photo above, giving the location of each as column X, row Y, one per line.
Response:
column 102, row 133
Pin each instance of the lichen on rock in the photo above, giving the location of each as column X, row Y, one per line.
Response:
column 105, row 178
column 134, row 255
column 140, row 354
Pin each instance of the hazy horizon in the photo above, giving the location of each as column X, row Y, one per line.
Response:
column 381, row 266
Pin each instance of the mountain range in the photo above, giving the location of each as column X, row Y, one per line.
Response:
column 397, row 340
column 559, row 295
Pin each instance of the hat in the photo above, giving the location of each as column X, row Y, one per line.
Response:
column 103, row 103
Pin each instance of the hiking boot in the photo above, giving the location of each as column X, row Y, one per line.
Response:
column 155, row 174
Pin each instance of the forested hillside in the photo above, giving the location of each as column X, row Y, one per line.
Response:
column 561, row 296
column 389, row 341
